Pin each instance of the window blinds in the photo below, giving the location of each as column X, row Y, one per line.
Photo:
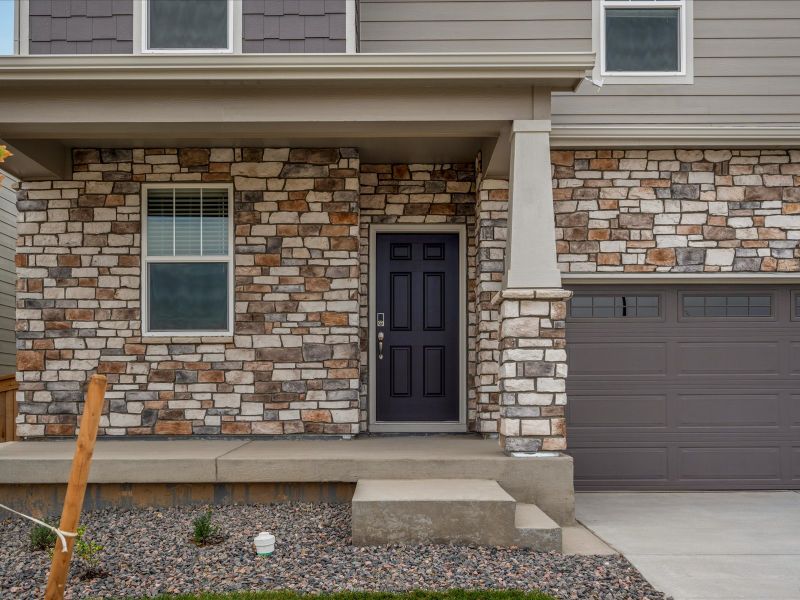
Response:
column 187, row 222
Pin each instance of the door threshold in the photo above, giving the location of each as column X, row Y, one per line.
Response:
column 449, row 427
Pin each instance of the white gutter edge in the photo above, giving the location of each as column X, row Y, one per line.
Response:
column 568, row 66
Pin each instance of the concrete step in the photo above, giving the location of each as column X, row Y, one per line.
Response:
column 536, row 530
column 443, row 511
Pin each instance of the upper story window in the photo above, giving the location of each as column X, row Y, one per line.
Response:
column 644, row 41
column 188, row 26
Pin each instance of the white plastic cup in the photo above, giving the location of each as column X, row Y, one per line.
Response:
column 265, row 543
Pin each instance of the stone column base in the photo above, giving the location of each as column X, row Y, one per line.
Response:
column 533, row 369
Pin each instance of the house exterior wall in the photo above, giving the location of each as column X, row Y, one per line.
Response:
column 291, row 365
column 491, row 235
column 8, row 277
column 746, row 57
column 409, row 194
column 298, row 360
column 466, row 26
column 93, row 27
column 678, row 211
column 292, row 26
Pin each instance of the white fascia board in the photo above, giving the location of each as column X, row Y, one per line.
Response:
column 564, row 70
column 679, row 136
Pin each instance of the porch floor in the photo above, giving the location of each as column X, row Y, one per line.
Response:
column 545, row 481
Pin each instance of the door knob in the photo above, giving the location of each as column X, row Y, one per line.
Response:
column 380, row 345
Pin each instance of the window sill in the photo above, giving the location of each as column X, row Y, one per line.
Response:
column 666, row 79
column 187, row 338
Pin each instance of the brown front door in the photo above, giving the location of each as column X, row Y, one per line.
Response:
column 417, row 321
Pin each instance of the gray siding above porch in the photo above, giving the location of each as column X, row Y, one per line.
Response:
column 746, row 71
column 475, row 26
column 81, row 26
column 293, row 26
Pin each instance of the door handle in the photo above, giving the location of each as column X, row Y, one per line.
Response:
column 380, row 345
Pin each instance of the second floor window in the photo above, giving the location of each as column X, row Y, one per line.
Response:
column 188, row 25
column 643, row 37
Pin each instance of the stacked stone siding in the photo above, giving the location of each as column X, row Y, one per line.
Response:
column 417, row 194
column 533, row 369
column 291, row 365
column 677, row 210
column 491, row 231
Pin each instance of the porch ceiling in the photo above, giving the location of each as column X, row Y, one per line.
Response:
column 394, row 107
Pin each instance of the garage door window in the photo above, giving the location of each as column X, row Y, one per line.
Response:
column 727, row 306
column 613, row 307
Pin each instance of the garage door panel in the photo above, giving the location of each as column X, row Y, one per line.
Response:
column 793, row 411
column 635, row 464
column 685, row 403
column 728, row 410
column 794, row 455
column 619, row 358
column 794, row 356
column 617, row 410
column 732, row 463
column 731, row 356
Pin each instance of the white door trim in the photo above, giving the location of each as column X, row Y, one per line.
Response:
column 420, row 426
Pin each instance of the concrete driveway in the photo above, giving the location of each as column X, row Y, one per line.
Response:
column 704, row 545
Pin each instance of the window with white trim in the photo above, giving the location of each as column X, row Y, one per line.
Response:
column 644, row 38
column 188, row 26
column 188, row 266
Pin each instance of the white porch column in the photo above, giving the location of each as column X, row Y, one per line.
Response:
column 533, row 366
column 531, row 253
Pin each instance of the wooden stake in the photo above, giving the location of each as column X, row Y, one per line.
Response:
column 76, row 488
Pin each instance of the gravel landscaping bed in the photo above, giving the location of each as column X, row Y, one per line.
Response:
column 149, row 552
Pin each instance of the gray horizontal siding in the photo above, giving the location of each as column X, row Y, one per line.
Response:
column 293, row 26
column 8, row 279
column 81, row 26
column 475, row 26
column 746, row 67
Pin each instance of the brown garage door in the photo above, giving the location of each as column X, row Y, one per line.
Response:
column 684, row 387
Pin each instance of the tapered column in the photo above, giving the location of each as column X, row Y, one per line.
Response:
column 533, row 367
column 531, row 253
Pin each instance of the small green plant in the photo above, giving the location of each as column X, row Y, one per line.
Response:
column 87, row 551
column 43, row 538
column 204, row 531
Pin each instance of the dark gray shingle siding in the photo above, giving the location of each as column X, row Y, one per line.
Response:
column 293, row 26
column 81, row 26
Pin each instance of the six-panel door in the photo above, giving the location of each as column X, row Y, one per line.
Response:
column 417, row 315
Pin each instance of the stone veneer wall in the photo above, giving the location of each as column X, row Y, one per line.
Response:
column 411, row 194
column 292, row 365
column 677, row 210
column 491, row 232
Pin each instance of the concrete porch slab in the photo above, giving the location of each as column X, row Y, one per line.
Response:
column 150, row 461
column 544, row 481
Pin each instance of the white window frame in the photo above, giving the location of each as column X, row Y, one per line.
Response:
column 686, row 73
column 140, row 24
column 21, row 27
column 147, row 259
